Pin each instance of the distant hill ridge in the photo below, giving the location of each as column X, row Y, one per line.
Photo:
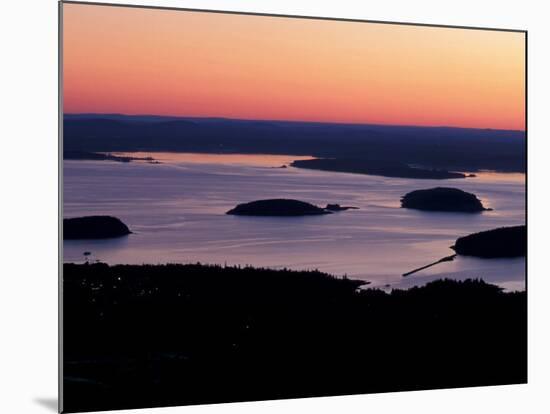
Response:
column 433, row 147
column 161, row 118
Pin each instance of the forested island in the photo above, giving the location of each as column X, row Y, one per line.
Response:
column 443, row 199
column 501, row 242
column 284, row 207
column 375, row 167
column 144, row 336
column 277, row 207
column 94, row 227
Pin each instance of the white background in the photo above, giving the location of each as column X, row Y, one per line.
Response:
column 28, row 205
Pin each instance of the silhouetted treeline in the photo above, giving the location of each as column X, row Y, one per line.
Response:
column 500, row 242
column 375, row 167
column 97, row 156
column 277, row 207
column 144, row 336
column 93, row 227
column 443, row 199
column 459, row 149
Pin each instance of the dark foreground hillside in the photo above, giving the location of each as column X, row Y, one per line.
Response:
column 144, row 336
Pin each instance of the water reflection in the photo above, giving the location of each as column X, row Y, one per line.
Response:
column 176, row 210
column 253, row 160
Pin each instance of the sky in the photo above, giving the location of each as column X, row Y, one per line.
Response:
column 166, row 62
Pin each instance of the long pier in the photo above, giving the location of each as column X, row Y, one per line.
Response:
column 445, row 259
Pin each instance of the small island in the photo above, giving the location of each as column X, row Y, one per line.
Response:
column 375, row 167
column 277, row 207
column 94, row 227
column 338, row 207
column 501, row 242
column 443, row 199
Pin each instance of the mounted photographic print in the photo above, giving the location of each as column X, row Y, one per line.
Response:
column 259, row 207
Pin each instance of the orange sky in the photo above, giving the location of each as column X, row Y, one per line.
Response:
column 144, row 61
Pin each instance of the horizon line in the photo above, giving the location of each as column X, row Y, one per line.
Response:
column 290, row 121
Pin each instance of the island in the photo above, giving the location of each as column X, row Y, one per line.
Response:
column 94, row 227
column 338, row 207
column 443, row 199
column 277, row 207
column 500, row 242
column 137, row 335
column 98, row 156
column 375, row 167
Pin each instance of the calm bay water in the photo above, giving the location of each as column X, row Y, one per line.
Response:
column 176, row 211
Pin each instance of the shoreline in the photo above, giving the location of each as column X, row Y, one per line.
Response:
column 405, row 282
column 112, row 155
